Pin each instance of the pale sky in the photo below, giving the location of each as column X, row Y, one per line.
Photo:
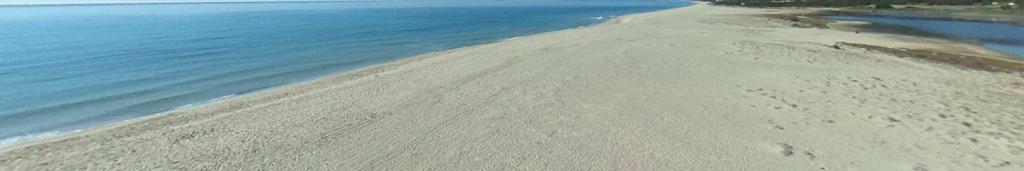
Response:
column 38, row 2
column 12, row 2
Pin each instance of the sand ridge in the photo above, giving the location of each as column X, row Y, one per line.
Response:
column 696, row 88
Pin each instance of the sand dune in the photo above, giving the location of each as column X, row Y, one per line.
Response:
column 695, row 88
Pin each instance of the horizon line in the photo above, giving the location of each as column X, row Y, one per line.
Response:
column 183, row 2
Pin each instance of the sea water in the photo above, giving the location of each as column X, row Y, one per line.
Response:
column 68, row 67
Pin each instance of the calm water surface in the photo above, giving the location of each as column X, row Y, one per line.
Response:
column 65, row 68
column 1003, row 37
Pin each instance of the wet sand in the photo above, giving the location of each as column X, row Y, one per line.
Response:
column 694, row 88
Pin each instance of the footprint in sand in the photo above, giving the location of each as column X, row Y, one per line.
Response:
column 784, row 149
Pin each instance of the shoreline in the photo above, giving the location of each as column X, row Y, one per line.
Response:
column 50, row 136
column 47, row 136
column 563, row 97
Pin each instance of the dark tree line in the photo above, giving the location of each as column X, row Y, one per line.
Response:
column 848, row 3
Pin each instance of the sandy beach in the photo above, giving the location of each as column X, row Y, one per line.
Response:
column 695, row 88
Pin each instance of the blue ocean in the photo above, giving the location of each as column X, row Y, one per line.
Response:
column 69, row 67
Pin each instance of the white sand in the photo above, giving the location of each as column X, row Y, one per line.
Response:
column 696, row 88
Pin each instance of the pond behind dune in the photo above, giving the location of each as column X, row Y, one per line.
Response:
column 1002, row 37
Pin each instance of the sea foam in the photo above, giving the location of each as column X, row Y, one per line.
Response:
column 7, row 142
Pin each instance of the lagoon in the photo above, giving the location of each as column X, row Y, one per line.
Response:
column 1004, row 37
